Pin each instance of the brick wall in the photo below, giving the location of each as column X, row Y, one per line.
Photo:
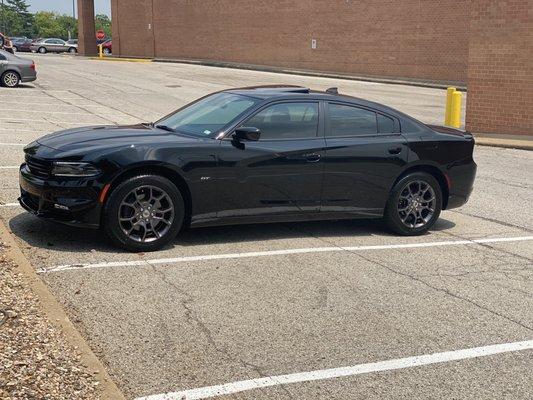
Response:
column 408, row 38
column 500, row 72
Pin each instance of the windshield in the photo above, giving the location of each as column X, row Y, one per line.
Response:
column 208, row 116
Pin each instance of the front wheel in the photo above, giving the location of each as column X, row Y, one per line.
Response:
column 72, row 50
column 42, row 50
column 414, row 204
column 144, row 213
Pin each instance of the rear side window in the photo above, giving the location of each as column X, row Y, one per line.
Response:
column 286, row 121
column 385, row 124
column 351, row 121
column 2, row 57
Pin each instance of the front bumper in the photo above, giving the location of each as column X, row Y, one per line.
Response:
column 72, row 201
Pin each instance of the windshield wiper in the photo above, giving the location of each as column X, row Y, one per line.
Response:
column 165, row 128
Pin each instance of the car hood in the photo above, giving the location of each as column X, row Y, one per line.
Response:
column 91, row 138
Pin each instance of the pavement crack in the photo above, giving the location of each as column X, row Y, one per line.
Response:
column 493, row 220
column 192, row 317
column 422, row 282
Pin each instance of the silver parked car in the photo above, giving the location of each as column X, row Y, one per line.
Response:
column 54, row 45
column 14, row 70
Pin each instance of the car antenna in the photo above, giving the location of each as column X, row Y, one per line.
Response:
column 332, row 90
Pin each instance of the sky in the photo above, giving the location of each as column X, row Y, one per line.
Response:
column 65, row 6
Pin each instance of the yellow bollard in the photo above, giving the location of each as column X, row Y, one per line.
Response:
column 455, row 117
column 449, row 94
column 100, row 51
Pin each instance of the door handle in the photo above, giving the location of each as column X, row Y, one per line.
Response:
column 313, row 157
column 395, row 150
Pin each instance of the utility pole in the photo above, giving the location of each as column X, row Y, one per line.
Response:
column 73, row 8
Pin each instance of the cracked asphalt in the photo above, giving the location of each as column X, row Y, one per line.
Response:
column 175, row 326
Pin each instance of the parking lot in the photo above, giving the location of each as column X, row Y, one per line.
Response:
column 232, row 304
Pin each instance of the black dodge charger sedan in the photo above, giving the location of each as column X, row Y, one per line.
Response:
column 258, row 154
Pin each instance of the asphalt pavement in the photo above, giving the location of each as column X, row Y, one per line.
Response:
column 251, row 309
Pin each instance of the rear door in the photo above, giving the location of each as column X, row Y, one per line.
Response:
column 365, row 153
column 282, row 172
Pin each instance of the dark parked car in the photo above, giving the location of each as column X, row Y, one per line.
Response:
column 107, row 47
column 21, row 44
column 14, row 70
column 249, row 155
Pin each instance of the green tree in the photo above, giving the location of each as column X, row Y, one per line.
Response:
column 47, row 25
column 15, row 19
column 103, row 22
column 68, row 24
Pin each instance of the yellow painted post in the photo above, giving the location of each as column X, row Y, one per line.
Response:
column 455, row 117
column 100, row 52
column 449, row 94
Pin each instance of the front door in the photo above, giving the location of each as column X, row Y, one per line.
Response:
column 365, row 154
column 282, row 172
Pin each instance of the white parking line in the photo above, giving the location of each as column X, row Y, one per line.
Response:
column 12, row 144
column 176, row 260
column 10, row 205
column 388, row 365
column 9, row 166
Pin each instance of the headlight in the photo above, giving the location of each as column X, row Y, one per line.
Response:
column 61, row 168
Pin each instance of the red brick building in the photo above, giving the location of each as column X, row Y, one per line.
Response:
column 486, row 44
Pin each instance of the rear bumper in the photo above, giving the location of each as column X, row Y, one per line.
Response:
column 71, row 202
column 461, row 184
column 28, row 78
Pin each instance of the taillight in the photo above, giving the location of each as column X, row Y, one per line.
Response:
column 32, row 66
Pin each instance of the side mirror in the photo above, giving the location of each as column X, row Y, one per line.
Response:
column 247, row 133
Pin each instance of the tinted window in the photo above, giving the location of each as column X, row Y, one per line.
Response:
column 2, row 57
column 351, row 121
column 286, row 121
column 208, row 116
column 385, row 124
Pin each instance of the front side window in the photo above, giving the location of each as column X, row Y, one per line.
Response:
column 208, row 116
column 351, row 121
column 286, row 121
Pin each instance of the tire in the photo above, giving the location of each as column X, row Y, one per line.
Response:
column 72, row 50
column 130, row 200
column 106, row 51
column 42, row 50
column 408, row 212
column 10, row 79
column 15, row 49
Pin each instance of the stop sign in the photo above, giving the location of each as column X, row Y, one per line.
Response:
column 100, row 35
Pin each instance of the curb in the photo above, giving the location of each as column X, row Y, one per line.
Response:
column 503, row 143
column 288, row 71
column 57, row 316
column 107, row 58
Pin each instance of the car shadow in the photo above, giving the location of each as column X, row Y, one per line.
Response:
column 35, row 232
column 25, row 86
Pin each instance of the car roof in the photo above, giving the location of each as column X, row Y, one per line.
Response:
column 282, row 92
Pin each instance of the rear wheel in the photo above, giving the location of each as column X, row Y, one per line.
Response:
column 144, row 213
column 42, row 50
column 10, row 79
column 15, row 49
column 414, row 204
column 106, row 50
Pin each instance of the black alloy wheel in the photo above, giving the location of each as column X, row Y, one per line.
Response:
column 144, row 213
column 414, row 204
